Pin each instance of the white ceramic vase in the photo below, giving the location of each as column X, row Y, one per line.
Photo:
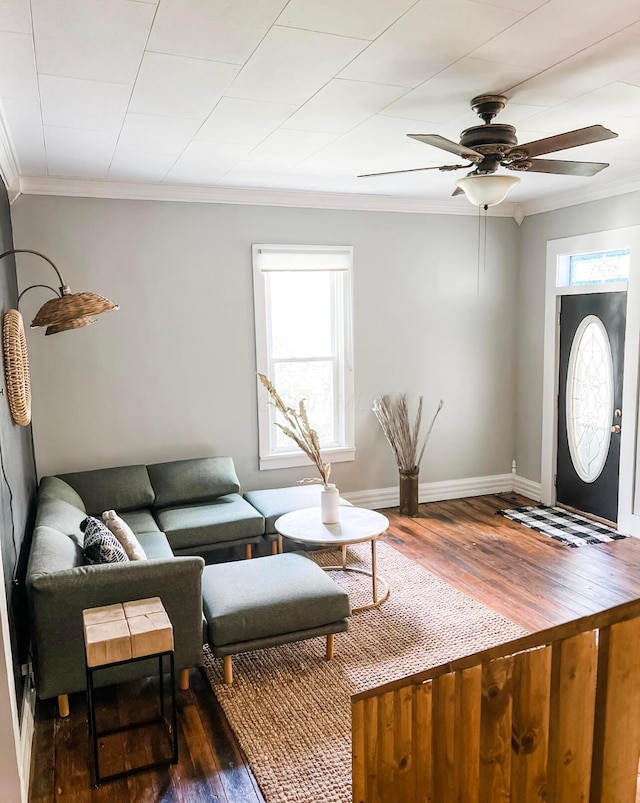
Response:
column 330, row 504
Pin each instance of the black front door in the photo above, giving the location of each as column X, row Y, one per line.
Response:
column 592, row 330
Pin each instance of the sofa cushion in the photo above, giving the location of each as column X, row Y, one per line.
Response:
column 124, row 534
column 54, row 487
column 121, row 488
column 228, row 518
column 155, row 545
column 275, row 502
column 266, row 597
column 60, row 515
column 140, row 521
column 100, row 544
column 53, row 551
column 188, row 481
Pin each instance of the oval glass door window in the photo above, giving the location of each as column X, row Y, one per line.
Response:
column 589, row 398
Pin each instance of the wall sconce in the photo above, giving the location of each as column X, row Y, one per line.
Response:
column 486, row 190
column 64, row 312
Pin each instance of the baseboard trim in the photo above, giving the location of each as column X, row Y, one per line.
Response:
column 27, row 730
column 381, row 498
column 529, row 488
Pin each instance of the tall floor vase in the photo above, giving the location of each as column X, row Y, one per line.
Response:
column 409, row 492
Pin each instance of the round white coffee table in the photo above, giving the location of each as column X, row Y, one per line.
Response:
column 356, row 526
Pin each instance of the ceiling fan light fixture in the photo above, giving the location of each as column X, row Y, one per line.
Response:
column 487, row 190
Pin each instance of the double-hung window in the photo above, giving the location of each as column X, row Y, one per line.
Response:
column 303, row 319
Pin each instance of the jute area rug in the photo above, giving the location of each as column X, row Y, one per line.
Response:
column 290, row 709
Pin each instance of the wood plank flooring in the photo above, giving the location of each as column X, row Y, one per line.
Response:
column 529, row 578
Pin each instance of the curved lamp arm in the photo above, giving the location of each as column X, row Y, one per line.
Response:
column 33, row 286
column 38, row 254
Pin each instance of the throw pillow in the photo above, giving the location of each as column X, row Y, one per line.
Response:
column 124, row 534
column 100, row 545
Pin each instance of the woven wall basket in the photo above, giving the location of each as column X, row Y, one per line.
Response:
column 16, row 367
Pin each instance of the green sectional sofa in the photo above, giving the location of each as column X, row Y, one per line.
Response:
column 198, row 504
column 179, row 511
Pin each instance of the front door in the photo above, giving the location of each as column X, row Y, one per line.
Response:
column 592, row 330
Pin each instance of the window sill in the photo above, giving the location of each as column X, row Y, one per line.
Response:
column 293, row 459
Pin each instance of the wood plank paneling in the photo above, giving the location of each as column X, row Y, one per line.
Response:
column 357, row 752
column 371, row 749
column 404, row 738
column 532, row 689
column 386, row 770
column 423, row 741
column 445, row 779
column 495, row 730
column 467, row 748
column 573, row 678
column 617, row 721
column 518, row 727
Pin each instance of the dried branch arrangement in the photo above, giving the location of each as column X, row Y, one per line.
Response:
column 403, row 438
column 300, row 431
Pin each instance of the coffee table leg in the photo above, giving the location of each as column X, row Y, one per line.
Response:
column 279, row 544
column 344, row 557
column 374, row 571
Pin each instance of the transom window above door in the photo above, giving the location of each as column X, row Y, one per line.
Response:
column 596, row 267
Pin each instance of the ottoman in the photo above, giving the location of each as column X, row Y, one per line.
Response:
column 269, row 601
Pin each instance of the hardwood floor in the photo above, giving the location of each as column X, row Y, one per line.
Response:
column 527, row 577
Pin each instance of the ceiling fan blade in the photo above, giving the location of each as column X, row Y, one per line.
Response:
column 414, row 170
column 560, row 166
column 448, row 145
column 559, row 142
column 457, row 191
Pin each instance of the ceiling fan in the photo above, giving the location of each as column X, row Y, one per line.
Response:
column 492, row 145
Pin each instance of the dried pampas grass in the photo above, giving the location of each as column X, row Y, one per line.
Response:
column 403, row 438
column 300, row 431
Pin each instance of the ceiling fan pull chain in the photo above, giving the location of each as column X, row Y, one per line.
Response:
column 478, row 259
column 484, row 255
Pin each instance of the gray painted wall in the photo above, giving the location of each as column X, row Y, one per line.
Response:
column 17, row 490
column 171, row 374
column 611, row 213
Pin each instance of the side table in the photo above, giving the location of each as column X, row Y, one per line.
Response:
column 115, row 635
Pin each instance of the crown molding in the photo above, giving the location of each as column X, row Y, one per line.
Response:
column 9, row 169
column 561, row 200
column 88, row 188
column 186, row 193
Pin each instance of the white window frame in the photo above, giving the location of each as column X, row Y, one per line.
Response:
column 272, row 456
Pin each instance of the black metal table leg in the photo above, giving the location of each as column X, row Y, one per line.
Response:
column 171, row 727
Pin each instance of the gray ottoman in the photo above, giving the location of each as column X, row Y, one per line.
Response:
column 269, row 601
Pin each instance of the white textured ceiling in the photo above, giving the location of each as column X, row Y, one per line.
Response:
column 305, row 94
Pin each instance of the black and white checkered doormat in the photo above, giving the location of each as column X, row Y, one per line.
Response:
column 559, row 524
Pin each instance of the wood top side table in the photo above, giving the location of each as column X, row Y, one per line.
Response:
column 356, row 526
column 115, row 635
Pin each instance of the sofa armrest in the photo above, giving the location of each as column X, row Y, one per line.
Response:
column 58, row 599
